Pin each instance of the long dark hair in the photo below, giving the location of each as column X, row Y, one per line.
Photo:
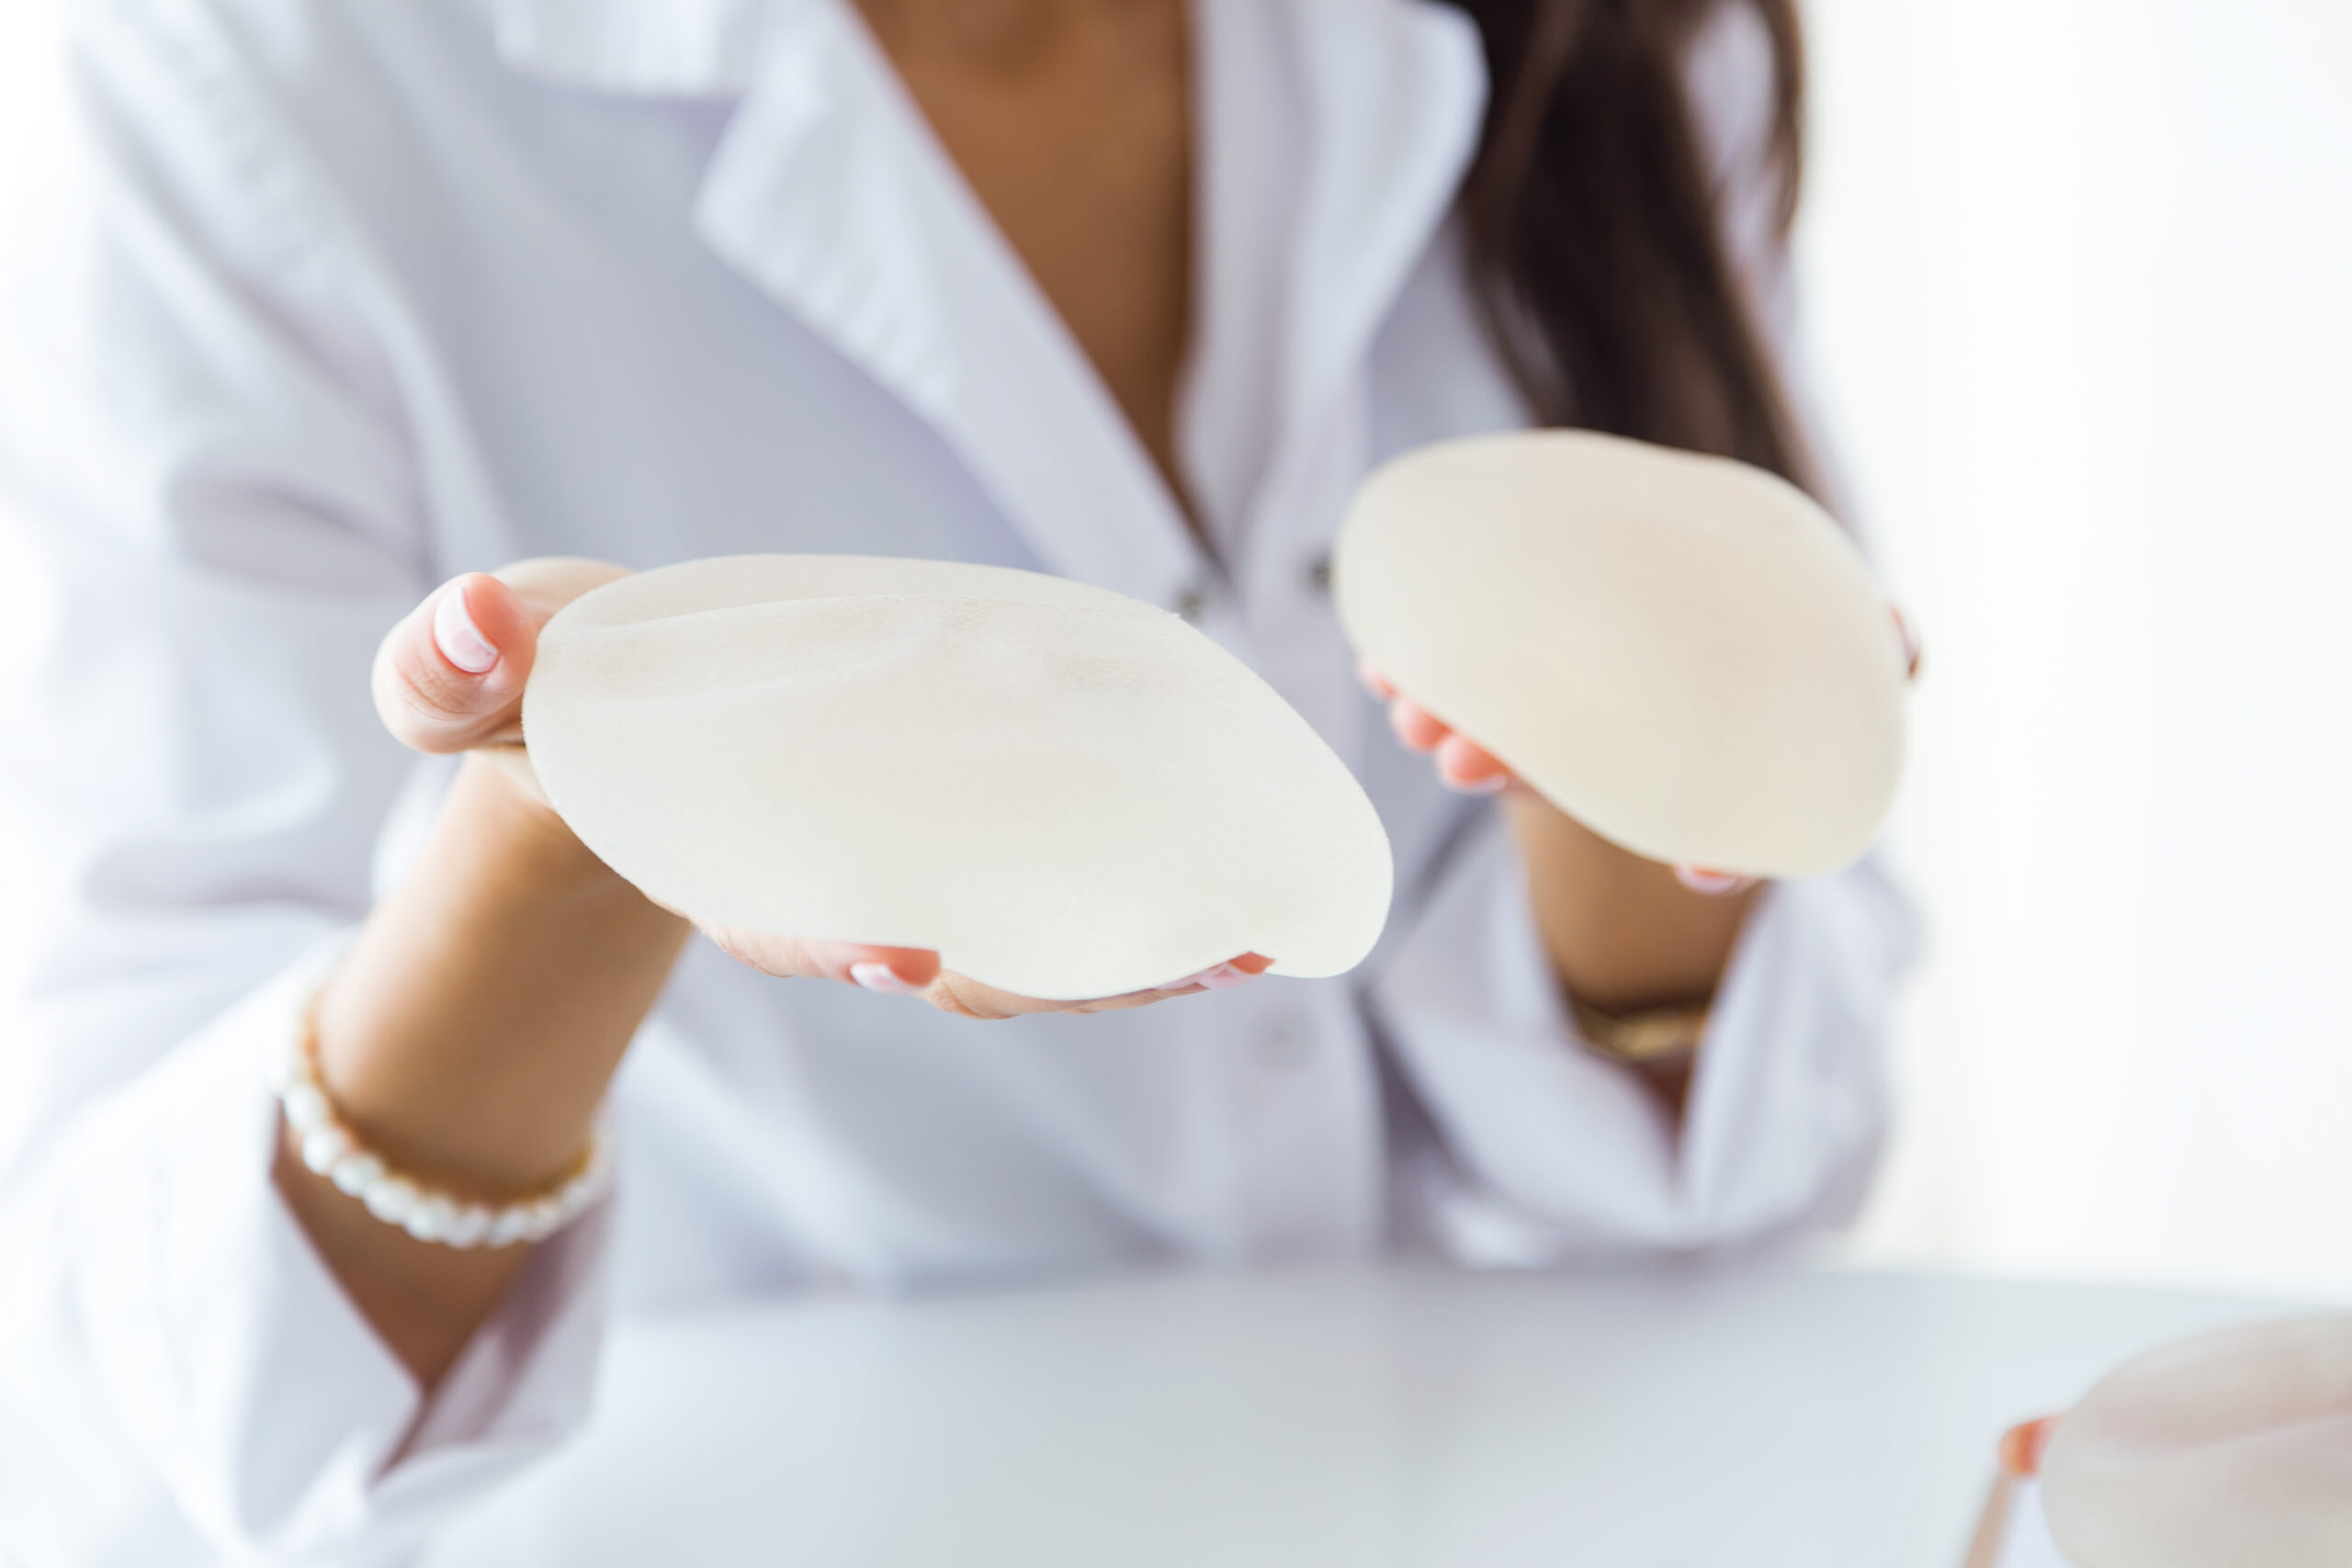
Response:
column 1593, row 237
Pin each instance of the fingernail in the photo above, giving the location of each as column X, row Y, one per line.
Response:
column 1404, row 727
column 2021, row 1447
column 882, row 977
column 1222, row 977
column 460, row 641
column 1714, row 884
column 1373, row 681
column 1493, row 785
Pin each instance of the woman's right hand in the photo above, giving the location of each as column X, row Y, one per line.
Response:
column 449, row 679
column 471, row 1030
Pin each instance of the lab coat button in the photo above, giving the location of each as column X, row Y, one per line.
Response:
column 1319, row 573
column 1190, row 604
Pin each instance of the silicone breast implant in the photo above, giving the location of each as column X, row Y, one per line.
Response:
column 1066, row 793
column 2233, row 1451
column 1685, row 653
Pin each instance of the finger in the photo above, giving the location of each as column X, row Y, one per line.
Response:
column 450, row 676
column 1224, row 976
column 1374, row 681
column 964, row 997
column 1415, row 725
column 910, row 971
column 1464, row 765
column 1911, row 649
column 2023, row 1447
column 1231, row 975
column 893, row 971
column 968, row 998
column 1713, row 883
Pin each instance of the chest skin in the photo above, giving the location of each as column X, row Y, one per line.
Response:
column 1072, row 122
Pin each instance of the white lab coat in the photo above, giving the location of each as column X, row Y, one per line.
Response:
column 329, row 300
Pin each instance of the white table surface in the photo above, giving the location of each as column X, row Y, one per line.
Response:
column 1373, row 1418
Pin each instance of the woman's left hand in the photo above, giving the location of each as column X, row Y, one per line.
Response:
column 1464, row 766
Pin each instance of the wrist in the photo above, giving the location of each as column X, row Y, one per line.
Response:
column 322, row 1139
column 470, row 1032
column 1624, row 934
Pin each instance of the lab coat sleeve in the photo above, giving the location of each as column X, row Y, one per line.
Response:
column 1546, row 1152
column 202, row 455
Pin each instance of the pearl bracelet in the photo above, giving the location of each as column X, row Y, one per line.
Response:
column 330, row 1149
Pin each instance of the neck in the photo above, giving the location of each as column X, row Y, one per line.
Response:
column 993, row 32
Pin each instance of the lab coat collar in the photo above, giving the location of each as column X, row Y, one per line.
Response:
column 1394, row 93
column 655, row 48
column 829, row 193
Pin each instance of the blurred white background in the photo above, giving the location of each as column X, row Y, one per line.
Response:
column 2079, row 287
column 22, row 609
column 2078, row 279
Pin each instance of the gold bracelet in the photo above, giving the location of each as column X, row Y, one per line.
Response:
column 1643, row 1039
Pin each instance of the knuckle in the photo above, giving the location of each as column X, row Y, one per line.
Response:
column 431, row 707
column 428, row 690
column 946, row 1001
column 950, row 994
column 769, row 958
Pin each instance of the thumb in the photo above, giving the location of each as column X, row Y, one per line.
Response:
column 450, row 676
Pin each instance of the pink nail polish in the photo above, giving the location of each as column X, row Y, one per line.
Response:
column 460, row 641
column 1220, row 977
column 2023, row 1447
column 883, row 979
column 1495, row 784
column 1714, row 884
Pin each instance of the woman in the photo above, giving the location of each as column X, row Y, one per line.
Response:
column 336, row 302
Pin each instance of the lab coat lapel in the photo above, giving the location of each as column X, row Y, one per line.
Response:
column 1337, row 136
column 1393, row 94
column 665, row 48
column 829, row 193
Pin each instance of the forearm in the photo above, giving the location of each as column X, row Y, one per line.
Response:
column 1623, row 933
column 467, row 1038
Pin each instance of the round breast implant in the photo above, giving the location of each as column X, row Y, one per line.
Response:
column 1686, row 654
column 2234, row 1449
column 1066, row 793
